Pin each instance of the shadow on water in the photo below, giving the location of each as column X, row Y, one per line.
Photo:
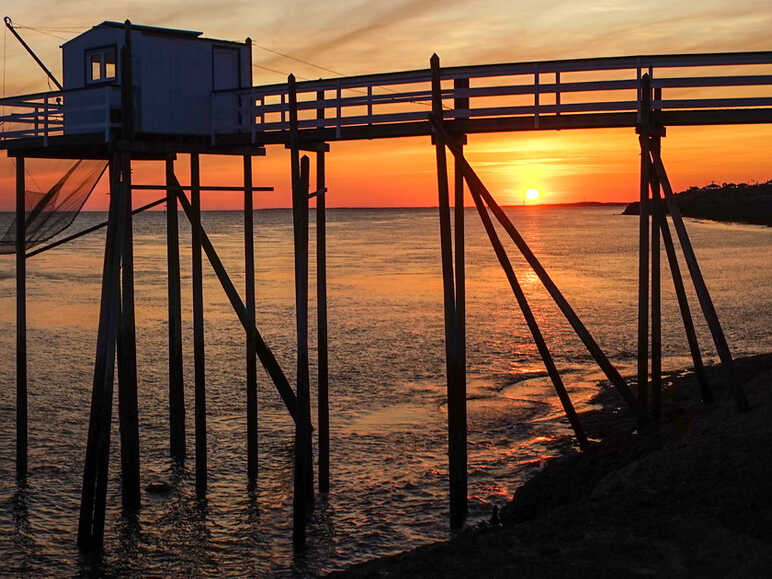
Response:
column 22, row 537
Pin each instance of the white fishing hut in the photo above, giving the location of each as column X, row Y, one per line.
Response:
column 176, row 75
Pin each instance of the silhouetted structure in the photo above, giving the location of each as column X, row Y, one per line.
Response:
column 118, row 107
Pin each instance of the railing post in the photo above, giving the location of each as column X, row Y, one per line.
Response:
column 557, row 93
column 45, row 121
column 536, row 97
column 370, row 105
column 252, row 117
column 337, row 110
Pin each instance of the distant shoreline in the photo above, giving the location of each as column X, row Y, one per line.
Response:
column 402, row 208
column 730, row 202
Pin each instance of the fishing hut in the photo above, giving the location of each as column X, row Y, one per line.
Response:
column 147, row 93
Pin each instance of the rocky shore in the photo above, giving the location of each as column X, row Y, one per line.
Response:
column 739, row 203
column 691, row 495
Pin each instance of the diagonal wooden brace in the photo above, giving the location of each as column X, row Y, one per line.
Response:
column 475, row 184
column 706, row 303
column 265, row 354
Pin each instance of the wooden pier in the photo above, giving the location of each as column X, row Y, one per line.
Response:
column 447, row 104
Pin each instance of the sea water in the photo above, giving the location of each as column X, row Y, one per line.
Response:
column 387, row 381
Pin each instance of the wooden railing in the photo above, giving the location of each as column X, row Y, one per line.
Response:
column 598, row 85
column 54, row 113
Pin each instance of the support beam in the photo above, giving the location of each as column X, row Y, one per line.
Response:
column 177, row 448
column 459, row 395
column 475, row 184
column 706, row 303
column 265, row 354
column 323, row 404
column 680, row 291
column 198, row 328
column 457, row 473
column 460, row 288
column 656, row 283
column 530, row 320
column 127, row 353
column 251, row 362
column 94, row 491
column 21, row 324
column 644, row 103
column 303, row 483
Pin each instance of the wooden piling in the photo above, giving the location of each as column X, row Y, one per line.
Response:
column 21, row 323
column 460, row 103
column 656, row 299
column 94, row 491
column 251, row 361
column 177, row 448
column 644, row 103
column 127, row 353
column 198, row 327
column 706, row 303
column 457, row 474
column 299, row 172
column 683, row 302
column 323, row 404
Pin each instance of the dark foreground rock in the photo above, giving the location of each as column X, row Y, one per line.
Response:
column 691, row 496
column 741, row 203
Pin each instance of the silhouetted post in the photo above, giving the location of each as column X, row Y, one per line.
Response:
column 127, row 353
column 530, row 320
column 198, row 326
column 656, row 299
column 323, row 404
column 94, row 492
column 460, row 104
column 302, row 478
column 176, row 380
column 21, row 323
column 249, row 279
column 456, row 416
column 683, row 302
column 644, row 104
column 706, row 303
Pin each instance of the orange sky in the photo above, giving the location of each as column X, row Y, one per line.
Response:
column 355, row 37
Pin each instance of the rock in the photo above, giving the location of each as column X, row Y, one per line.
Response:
column 158, row 488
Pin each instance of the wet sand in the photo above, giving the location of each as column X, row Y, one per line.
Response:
column 690, row 495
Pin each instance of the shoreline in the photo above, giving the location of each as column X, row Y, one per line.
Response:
column 690, row 495
column 749, row 204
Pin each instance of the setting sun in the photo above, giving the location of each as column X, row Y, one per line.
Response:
column 532, row 194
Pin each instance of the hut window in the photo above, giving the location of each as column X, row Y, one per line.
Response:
column 100, row 64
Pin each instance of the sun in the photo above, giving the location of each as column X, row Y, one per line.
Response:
column 532, row 194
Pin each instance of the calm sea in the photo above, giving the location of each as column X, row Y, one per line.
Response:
column 389, row 472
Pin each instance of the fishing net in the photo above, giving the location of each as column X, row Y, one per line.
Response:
column 50, row 213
